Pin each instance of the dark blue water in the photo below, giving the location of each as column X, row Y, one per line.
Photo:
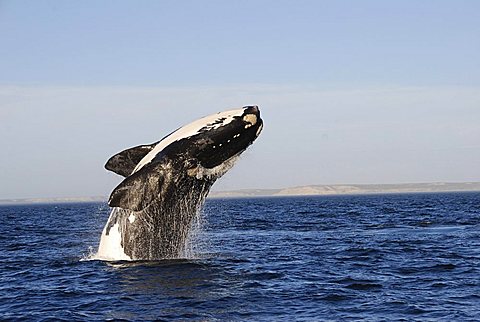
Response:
column 383, row 257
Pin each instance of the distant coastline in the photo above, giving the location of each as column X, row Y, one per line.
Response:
column 22, row 201
column 310, row 190
column 351, row 189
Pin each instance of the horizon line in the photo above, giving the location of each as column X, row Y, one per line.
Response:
column 250, row 192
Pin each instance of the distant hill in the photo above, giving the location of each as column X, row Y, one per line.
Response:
column 312, row 190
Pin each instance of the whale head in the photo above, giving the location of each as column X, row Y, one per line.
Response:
column 218, row 140
column 197, row 153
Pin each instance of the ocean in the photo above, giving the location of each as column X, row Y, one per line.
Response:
column 405, row 257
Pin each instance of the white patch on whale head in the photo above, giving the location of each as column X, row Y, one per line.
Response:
column 131, row 218
column 259, row 130
column 251, row 120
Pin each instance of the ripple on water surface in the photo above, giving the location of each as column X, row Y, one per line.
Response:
column 383, row 257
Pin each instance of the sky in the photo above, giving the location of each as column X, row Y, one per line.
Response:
column 350, row 91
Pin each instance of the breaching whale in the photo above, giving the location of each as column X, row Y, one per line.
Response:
column 167, row 182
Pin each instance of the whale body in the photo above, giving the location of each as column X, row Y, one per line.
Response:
column 166, row 184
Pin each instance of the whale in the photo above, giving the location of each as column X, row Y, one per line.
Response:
column 165, row 184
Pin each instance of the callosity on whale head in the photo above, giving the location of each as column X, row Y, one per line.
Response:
column 167, row 181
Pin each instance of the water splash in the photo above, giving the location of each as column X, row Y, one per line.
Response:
column 90, row 255
column 169, row 228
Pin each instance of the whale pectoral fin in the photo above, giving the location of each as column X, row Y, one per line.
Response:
column 124, row 162
column 138, row 190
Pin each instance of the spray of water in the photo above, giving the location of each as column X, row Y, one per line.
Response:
column 168, row 229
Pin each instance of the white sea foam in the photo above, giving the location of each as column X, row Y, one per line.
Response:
column 90, row 255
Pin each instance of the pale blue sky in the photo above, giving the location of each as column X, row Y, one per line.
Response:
column 350, row 91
